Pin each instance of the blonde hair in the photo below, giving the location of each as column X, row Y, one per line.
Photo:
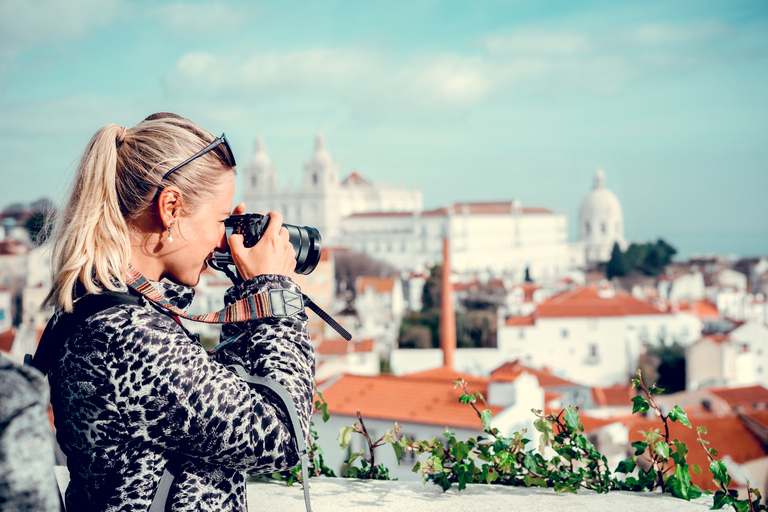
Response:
column 116, row 182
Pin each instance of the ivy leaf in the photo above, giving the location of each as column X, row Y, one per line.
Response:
column 481, row 397
column 677, row 414
column 486, row 417
column 640, row 447
column 635, row 383
column 459, row 451
column 531, row 480
column 701, row 430
column 662, row 449
column 571, row 417
column 626, row 466
column 720, row 472
column 465, row 399
column 680, row 483
column 398, row 451
column 655, row 390
column 561, row 487
column 721, row 500
column 640, row 404
column 647, row 479
column 345, row 436
column 696, row 469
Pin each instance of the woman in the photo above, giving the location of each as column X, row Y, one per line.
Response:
column 131, row 388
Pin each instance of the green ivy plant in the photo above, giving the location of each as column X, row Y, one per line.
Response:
column 564, row 459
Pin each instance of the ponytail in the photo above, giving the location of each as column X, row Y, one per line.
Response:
column 119, row 174
column 91, row 239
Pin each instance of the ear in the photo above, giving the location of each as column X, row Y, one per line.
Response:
column 169, row 205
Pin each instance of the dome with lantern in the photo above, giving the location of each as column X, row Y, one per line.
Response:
column 601, row 222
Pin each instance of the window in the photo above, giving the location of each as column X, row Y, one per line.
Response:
column 587, row 227
column 314, row 178
column 603, row 228
column 521, row 334
column 253, row 180
column 564, row 333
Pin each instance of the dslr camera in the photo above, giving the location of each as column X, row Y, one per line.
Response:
column 306, row 241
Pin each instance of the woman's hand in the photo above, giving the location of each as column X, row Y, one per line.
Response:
column 272, row 254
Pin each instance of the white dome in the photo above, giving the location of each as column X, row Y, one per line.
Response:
column 260, row 157
column 600, row 203
column 321, row 156
column 601, row 222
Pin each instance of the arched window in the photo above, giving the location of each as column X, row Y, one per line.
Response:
column 587, row 228
column 603, row 228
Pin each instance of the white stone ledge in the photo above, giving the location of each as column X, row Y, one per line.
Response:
column 330, row 494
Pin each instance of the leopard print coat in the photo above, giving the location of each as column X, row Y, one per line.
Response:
column 134, row 389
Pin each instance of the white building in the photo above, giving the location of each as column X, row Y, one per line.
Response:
column 592, row 335
column 322, row 200
column 601, row 222
column 501, row 237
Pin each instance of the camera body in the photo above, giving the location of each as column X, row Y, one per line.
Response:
column 306, row 240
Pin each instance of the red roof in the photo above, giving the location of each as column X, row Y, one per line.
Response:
column 728, row 435
column 340, row 346
column 355, row 179
column 382, row 214
column 492, row 208
column 586, row 302
column 536, row 210
column 379, row 284
column 510, row 371
column 6, row 339
column 616, row 395
column 521, row 321
column 748, row 397
column 426, row 398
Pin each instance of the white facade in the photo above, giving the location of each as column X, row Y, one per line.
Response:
column 601, row 222
column 322, row 200
column 497, row 237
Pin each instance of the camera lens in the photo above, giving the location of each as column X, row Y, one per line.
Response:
column 308, row 245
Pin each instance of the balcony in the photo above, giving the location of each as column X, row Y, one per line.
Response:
column 330, row 494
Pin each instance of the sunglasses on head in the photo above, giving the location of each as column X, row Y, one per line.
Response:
column 229, row 157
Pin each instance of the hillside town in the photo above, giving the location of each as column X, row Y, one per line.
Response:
column 494, row 293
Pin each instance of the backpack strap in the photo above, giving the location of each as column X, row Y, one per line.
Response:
column 293, row 420
column 57, row 331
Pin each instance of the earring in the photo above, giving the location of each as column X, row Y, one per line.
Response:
column 170, row 235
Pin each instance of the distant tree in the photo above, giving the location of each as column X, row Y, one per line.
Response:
column 668, row 362
column 351, row 265
column 617, row 266
column 528, row 275
column 430, row 296
column 37, row 228
column 476, row 329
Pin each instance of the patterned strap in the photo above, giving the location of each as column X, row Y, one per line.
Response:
column 267, row 304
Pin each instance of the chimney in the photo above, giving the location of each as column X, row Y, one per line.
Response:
column 447, row 313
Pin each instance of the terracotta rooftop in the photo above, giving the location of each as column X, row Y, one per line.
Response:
column 510, row 371
column 382, row 214
column 379, row 284
column 521, row 321
column 749, row 397
column 728, row 435
column 491, row 208
column 354, row 179
column 425, row 398
column 6, row 340
column 616, row 395
column 700, row 308
column 340, row 346
column 585, row 301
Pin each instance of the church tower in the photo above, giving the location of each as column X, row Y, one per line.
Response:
column 259, row 172
column 321, row 172
column 601, row 222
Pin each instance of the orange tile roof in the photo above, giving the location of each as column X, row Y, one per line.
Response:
column 510, row 371
column 340, row 346
column 616, row 395
column 585, row 302
column 6, row 339
column 379, row 284
column 747, row 397
column 419, row 398
column 728, row 435
column 355, row 179
column 536, row 209
column 521, row 321
column 381, row 214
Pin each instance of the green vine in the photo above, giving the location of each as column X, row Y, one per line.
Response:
column 564, row 459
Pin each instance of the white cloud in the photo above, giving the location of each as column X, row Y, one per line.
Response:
column 531, row 61
column 27, row 24
column 200, row 18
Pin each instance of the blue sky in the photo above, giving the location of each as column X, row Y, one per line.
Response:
column 468, row 101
